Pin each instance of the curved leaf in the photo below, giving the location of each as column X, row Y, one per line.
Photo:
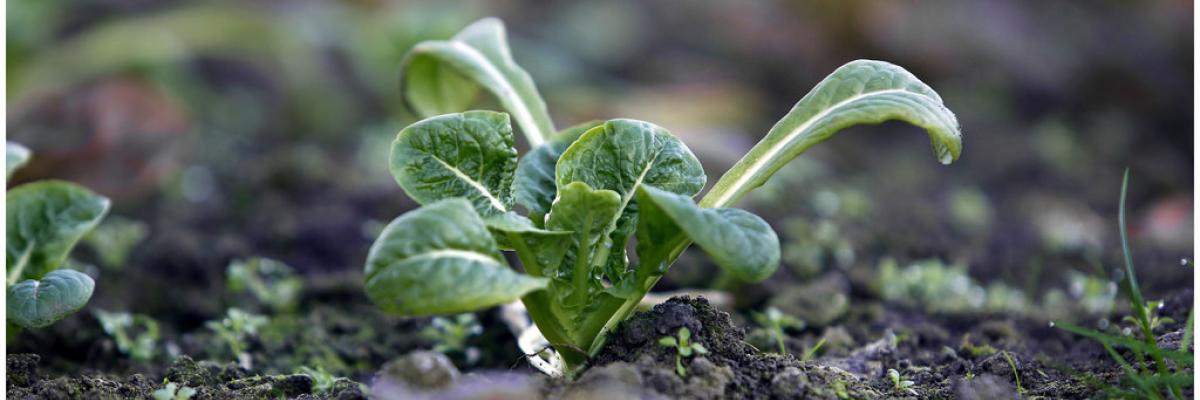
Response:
column 514, row 232
column 479, row 53
column 15, row 156
column 45, row 220
column 736, row 240
column 441, row 259
column 469, row 155
column 588, row 214
column 622, row 154
column 860, row 92
column 39, row 303
column 534, row 184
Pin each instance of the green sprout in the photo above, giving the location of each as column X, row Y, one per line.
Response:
column 775, row 321
column 1146, row 384
column 1154, row 321
column 121, row 326
column 812, row 351
column 323, row 380
column 450, row 335
column 1013, row 365
column 899, row 385
column 236, row 328
column 114, row 239
column 273, row 283
column 683, row 348
column 174, row 392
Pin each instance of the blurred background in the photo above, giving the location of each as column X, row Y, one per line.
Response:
column 232, row 129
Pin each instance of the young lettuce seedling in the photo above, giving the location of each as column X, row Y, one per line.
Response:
column 683, row 346
column 45, row 221
column 587, row 191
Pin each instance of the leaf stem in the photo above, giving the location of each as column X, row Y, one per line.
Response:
column 22, row 263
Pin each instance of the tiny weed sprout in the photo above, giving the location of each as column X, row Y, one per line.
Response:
column 173, row 391
column 1152, row 318
column 450, row 335
column 45, row 221
column 775, row 321
column 271, row 282
column 1140, row 380
column 899, row 384
column 136, row 335
column 587, row 192
column 323, row 381
column 684, row 347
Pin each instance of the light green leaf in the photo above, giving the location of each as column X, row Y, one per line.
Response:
column 738, row 241
column 441, row 259
column 45, row 220
column 860, row 92
column 39, row 303
column 469, row 155
column 514, row 232
column 16, row 156
column 479, row 53
column 534, row 184
column 587, row 213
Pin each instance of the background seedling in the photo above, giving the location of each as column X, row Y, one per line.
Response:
column 114, row 239
column 900, row 385
column 271, row 282
column 684, row 347
column 237, row 327
column 450, row 335
column 775, row 321
column 136, row 335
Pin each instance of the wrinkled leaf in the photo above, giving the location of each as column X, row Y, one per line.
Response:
column 515, row 232
column 35, row 303
column 16, row 156
column 738, row 241
column 860, row 92
column 587, row 213
column 469, row 155
column 45, row 220
column 479, row 53
column 622, row 154
column 534, row 184
column 441, row 259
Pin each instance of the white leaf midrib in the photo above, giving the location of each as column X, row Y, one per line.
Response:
column 454, row 253
column 524, row 118
column 495, row 202
column 779, row 146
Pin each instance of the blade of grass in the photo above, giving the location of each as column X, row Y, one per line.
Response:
column 1187, row 332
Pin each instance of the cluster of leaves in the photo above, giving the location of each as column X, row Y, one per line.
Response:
column 684, row 347
column 939, row 287
column 775, row 322
column 588, row 191
column 1140, row 380
column 45, row 221
column 237, row 327
column 271, row 282
column 136, row 335
column 899, row 384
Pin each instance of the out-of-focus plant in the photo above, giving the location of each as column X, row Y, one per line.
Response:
column 775, row 322
column 114, row 239
column 236, row 328
column 172, row 391
column 271, row 282
column 812, row 245
column 946, row 288
column 684, row 347
column 45, row 221
column 450, row 334
column 323, row 381
column 588, row 191
column 899, row 384
column 136, row 335
column 970, row 210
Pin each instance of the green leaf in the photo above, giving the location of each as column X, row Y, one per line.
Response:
column 860, row 92
column 39, row 303
column 668, row 341
column 587, row 214
column 622, row 154
column 441, row 259
column 468, row 155
column 515, row 232
column 534, row 184
column 479, row 53
column 45, row 220
column 738, row 241
column 16, row 156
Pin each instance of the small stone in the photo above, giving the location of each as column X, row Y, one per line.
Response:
column 421, row 370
